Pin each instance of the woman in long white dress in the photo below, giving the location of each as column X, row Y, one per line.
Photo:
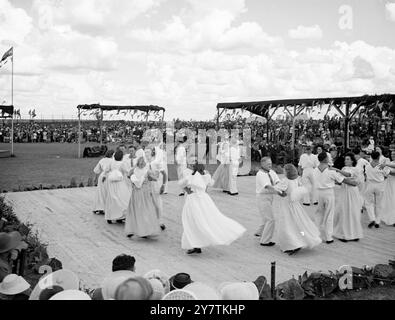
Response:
column 142, row 215
column 222, row 173
column 348, row 225
column 118, row 191
column 203, row 224
column 388, row 212
column 295, row 229
column 101, row 190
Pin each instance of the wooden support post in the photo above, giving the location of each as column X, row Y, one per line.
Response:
column 347, row 127
column 79, row 132
column 273, row 280
column 101, row 126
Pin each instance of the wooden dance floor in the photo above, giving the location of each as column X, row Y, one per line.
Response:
column 86, row 244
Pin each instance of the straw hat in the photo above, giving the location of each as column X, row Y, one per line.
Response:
column 180, row 294
column 13, row 284
column 9, row 241
column 158, row 289
column 63, row 278
column 71, row 295
column 239, row 291
column 111, row 283
column 203, row 291
column 161, row 276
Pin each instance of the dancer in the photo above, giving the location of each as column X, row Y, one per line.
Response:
column 161, row 157
column 118, row 194
column 266, row 179
column 181, row 159
column 158, row 186
column 361, row 166
column 142, row 212
column 348, row 226
column 221, row 174
column 204, row 225
column 325, row 179
column 307, row 163
column 375, row 177
column 388, row 212
column 101, row 190
column 295, row 228
column 234, row 154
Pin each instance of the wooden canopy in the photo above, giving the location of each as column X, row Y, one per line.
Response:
column 6, row 111
column 112, row 108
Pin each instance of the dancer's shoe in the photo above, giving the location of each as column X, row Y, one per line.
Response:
column 270, row 244
column 329, row 242
column 371, row 225
column 162, row 227
column 109, row 221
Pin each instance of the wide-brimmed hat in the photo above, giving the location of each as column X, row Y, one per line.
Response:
column 202, row 291
column 9, row 241
column 180, row 280
column 63, row 278
column 239, row 291
column 180, row 294
column 71, row 295
column 161, row 276
column 111, row 283
column 263, row 288
column 13, row 284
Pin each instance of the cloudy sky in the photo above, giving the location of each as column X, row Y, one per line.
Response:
column 188, row 55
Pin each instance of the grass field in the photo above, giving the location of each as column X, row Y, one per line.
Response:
column 50, row 164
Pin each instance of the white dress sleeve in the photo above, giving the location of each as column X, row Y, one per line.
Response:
column 98, row 168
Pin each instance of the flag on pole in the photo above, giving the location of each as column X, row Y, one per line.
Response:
column 6, row 55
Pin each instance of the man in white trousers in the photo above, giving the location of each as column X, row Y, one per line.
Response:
column 181, row 160
column 161, row 157
column 375, row 184
column 362, row 164
column 307, row 163
column 266, row 179
column 234, row 155
column 325, row 179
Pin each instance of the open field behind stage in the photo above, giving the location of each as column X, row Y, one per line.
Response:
column 86, row 244
column 50, row 163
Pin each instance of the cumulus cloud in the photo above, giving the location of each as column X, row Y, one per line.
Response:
column 306, row 33
column 390, row 9
column 15, row 23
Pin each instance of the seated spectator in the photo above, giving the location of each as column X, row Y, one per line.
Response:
column 161, row 276
column 137, row 288
column 239, row 291
column 71, row 295
column 124, row 262
column 179, row 281
column 10, row 244
column 202, row 291
column 65, row 279
column 48, row 293
column 157, row 288
column 14, row 287
column 111, row 283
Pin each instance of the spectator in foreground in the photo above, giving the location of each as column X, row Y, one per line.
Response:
column 124, row 262
column 9, row 245
column 14, row 287
column 137, row 288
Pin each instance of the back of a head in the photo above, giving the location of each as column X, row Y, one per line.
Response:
column 356, row 151
column 322, row 156
column 109, row 153
column 118, row 156
column 123, row 262
column 137, row 288
column 48, row 293
column 375, row 155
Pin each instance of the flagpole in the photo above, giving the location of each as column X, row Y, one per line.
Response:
column 12, row 103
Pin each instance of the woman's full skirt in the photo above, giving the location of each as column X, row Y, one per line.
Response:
column 295, row 228
column 388, row 212
column 348, row 211
column 142, row 215
column 221, row 177
column 117, row 200
column 204, row 225
column 100, row 194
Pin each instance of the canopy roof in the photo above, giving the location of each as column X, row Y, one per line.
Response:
column 6, row 109
column 111, row 108
column 261, row 107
